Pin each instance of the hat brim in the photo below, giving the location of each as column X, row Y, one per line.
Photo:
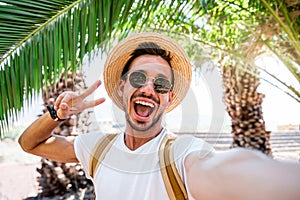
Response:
column 121, row 53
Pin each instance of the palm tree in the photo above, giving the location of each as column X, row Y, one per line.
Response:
column 240, row 74
column 244, row 106
column 56, row 178
column 276, row 32
column 242, row 31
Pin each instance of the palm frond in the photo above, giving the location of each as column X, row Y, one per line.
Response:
column 41, row 39
column 24, row 50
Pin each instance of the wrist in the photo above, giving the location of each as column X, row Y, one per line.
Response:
column 53, row 114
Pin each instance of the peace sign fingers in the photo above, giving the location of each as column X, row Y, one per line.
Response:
column 91, row 89
column 69, row 103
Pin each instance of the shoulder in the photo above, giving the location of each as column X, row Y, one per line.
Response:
column 188, row 148
column 87, row 141
column 84, row 147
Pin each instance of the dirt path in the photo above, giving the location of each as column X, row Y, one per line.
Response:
column 17, row 172
column 17, row 181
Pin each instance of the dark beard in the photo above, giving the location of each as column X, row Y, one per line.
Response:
column 137, row 128
column 132, row 125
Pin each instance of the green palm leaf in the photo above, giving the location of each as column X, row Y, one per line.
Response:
column 41, row 39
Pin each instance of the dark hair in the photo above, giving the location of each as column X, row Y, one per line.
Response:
column 148, row 48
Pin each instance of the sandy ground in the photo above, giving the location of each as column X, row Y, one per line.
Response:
column 17, row 172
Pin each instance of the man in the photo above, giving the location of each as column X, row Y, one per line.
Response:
column 147, row 75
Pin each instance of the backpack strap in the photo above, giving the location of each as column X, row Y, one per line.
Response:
column 174, row 185
column 100, row 151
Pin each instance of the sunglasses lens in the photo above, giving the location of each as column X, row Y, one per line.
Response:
column 137, row 79
column 162, row 85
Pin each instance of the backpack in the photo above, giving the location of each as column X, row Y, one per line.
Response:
column 174, row 185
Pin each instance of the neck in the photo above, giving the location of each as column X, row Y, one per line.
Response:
column 136, row 139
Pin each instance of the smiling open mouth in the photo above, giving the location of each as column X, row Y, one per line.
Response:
column 143, row 109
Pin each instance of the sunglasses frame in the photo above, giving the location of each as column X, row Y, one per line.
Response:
column 163, row 90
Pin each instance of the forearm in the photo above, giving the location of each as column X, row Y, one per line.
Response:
column 38, row 132
column 242, row 174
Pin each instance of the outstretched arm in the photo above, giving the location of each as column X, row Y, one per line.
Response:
column 37, row 138
column 242, row 174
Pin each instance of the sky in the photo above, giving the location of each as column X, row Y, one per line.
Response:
column 278, row 107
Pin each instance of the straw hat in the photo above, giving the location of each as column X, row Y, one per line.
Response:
column 121, row 53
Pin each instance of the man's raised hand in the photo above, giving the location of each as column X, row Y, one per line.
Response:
column 69, row 103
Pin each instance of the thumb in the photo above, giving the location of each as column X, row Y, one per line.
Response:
column 62, row 112
column 64, row 106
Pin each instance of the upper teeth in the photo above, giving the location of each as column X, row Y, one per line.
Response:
column 145, row 103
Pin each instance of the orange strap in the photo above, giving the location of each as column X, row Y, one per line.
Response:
column 100, row 151
column 174, row 185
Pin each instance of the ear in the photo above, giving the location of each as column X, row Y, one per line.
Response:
column 121, row 87
column 171, row 97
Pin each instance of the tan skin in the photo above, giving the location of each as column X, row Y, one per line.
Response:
column 234, row 175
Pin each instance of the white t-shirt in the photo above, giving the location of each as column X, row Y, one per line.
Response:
column 134, row 175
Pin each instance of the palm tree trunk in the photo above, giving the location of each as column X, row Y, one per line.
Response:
column 244, row 106
column 62, row 178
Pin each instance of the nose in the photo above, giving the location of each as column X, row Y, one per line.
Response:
column 148, row 87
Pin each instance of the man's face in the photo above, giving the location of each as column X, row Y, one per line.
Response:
column 145, row 104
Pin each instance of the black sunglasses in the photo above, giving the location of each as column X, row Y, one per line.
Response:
column 138, row 79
